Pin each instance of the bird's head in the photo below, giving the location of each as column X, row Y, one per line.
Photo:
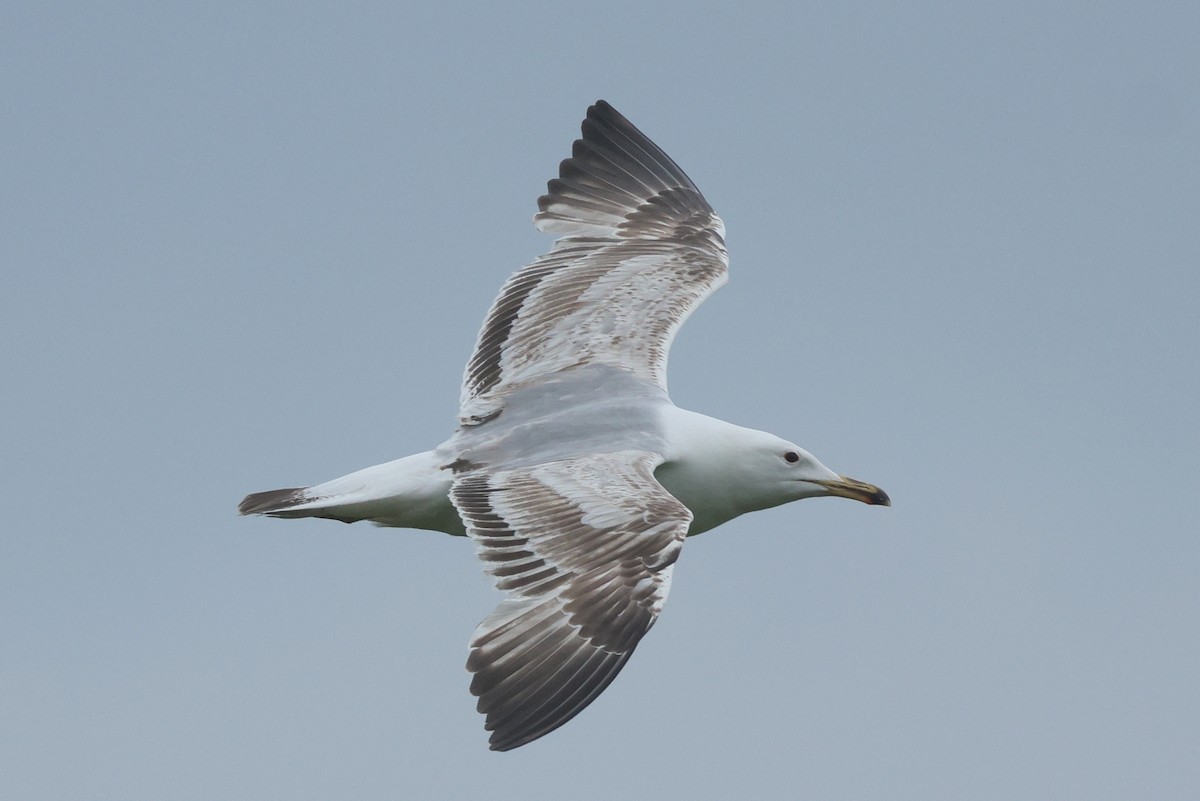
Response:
column 790, row 473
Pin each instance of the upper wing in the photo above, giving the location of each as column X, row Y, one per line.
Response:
column 639, row 249
column 583, row 549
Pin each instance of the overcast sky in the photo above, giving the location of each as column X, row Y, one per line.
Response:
column 248, row 245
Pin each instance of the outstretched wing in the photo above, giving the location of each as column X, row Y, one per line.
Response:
column 583, row 549
column 639, row 249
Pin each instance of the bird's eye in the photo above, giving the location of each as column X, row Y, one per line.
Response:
column 792, row 456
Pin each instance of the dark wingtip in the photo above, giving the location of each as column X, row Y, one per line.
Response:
column 271, row 501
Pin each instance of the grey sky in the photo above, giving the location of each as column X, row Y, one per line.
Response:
column 250, row 246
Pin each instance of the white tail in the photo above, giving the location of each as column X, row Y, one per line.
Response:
column 407, row 493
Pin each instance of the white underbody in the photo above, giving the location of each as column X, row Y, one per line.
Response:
column 703, row 466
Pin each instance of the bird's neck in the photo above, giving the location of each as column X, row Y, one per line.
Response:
column 704, row 469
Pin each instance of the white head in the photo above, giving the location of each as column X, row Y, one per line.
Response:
column 724, row 470
column 777, row 471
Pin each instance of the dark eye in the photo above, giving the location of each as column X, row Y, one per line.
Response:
column 792, row 456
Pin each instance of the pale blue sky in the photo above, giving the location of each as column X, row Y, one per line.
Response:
column 249, row 245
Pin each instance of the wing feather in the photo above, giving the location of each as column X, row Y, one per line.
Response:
column 639, row 250
column 583, row 549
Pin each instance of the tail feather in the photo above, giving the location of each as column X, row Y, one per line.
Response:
column 406, row 493
column 294, row 502
column 265, row 503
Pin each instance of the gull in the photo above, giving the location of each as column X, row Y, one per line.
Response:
column 571, row 470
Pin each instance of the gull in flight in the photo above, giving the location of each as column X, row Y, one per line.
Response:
column 571, row 470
